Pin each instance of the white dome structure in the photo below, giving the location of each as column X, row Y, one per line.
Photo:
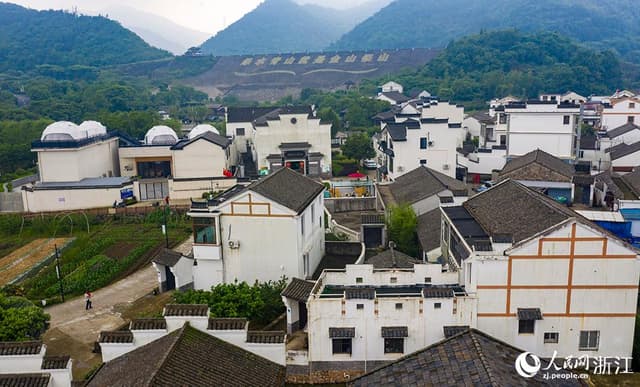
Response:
column 160, row 135
column 63, row 131
column 201, row 129
column 93, row 128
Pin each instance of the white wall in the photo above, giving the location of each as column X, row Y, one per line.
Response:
column 199, row 159
column 268, row 138
column 541, row 127
column 617, row 115
column 631, row 160
column 128, row 156
column 70, row 199
column 75, row 164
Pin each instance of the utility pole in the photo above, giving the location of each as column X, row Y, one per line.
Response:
column 165, row 231
column 58, row 272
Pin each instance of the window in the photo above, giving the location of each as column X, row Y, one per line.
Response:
column 437, row 305
column 631, row 119
column 632, row 105
column 358, row 280
column 423, row 143
column 204, row 231
column 393, row 345
column 302, row 225
column 359, row 306
column 393, row 280
column 566, row 120
column 341, row 346
column 305, row 263
column 313, row 213
column 502, row 118
column 427, row 280
column 239, row 131
column 503, row 139
column 589, row 340
column 423, row 162
column 551, row 337
column 526, row 326
column 399, row 305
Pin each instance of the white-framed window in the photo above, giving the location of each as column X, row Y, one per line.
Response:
column 302, row 225
column 566, row 120
column 239, row 131
column 358, row 280
column 437, row 305
column 393, row 345
column 526, row 326
column 313, row 213
column 589, row 340
column 398, row 305
column 551, row 337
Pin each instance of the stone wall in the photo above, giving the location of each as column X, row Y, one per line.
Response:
column 336, row 205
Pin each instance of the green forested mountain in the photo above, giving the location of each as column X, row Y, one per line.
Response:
column 494, row 64
column 434, row 23
column 30, row 38
column 278, row 26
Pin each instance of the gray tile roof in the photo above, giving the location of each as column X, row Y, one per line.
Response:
column 298, row 289
column 294, row 145
column 553, row 169
column 11, row 348
column 167, row 257
column 336, row 333
column 620, row 130
column 186, row 310
column 288, row 188
column 529, row 314
column 609, row 178
column 221, row 141
column 223, row 324
column 394, row 332
column 398, row 132
column 387, row 260
column 360, row 293
column 396, row 96
column 632, row 179
column 589, row 142
column 55, row 362
column 452, row 330
column 25, row 380
column 422, row 183
column 428, row 229
column 437, row 292
column 189, row 357
column 471, row 358
column 145, row 324
column 621, row 150
column 266, row 337
column 113, row 337
column 510, row 208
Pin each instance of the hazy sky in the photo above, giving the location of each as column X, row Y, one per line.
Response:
column 202, row 15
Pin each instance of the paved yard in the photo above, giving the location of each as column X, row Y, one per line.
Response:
column 73, row 330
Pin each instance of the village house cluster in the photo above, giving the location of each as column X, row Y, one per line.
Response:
column 527, row 224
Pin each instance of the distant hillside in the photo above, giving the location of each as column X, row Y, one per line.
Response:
column 285, row 26
column 475, row 69
column 433, row 23
column 156, row 30
column 31, row 38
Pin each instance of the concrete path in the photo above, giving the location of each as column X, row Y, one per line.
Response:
column 73, row 330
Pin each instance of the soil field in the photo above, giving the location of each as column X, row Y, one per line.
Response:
column 26, row 257
column 120, row 250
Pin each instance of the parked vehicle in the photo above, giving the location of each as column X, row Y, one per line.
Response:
column 485, row 186
column 370, row 164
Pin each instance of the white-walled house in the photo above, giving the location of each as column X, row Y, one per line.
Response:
column 551, row 127
column 26, row 363
column 362, row 317
column 78, row 168
column 430, row 141
column 269, row 229
column 165, row 165
column 546, row 279
column 391, row 86
column 267, row 139
column 620, row 111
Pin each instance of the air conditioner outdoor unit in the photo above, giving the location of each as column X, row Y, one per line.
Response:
column 234, row 244
column 430, row 143
column 445, row 167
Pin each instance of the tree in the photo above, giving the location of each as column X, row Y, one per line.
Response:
column 20, row 319
column 328, row 115
column 402, row 224
column 359, row 147
column 260, row 303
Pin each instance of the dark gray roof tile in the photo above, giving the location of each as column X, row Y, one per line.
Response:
column 620, row 130
column 195, row 310
column 116, row 337
column 223, row 324
column 167, row 257
column 336, row 333
column 452, row 330
column 24, row 380
column 422, row 183
column 288, row 188
column 388, row 259
column 298, row 289
column 428, row 229
column 145, row 324
column 529, row 314
column 55, row 362
column 266, row 337
column 553, row 169
column 394, row 332
column 11, row 348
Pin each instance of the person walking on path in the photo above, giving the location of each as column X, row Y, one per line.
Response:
column 87, row 298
